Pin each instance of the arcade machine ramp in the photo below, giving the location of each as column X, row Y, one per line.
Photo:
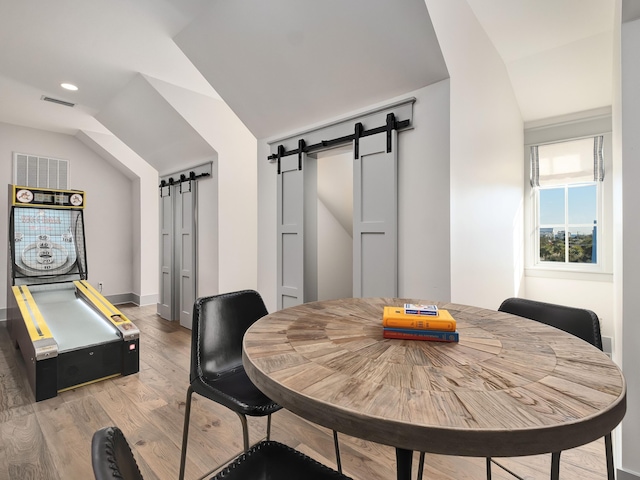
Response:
column 68, row 333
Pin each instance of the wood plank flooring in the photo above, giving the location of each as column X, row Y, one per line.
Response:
column 51, row 439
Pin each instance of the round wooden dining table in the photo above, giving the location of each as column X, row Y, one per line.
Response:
column 510, row 386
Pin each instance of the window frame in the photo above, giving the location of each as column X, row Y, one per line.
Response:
column 549, row 134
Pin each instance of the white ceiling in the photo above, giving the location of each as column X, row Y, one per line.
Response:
column 559, row 53
column 99, row 46
column 283, row 64
column 278, row 64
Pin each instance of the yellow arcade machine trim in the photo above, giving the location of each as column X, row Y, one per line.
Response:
column 106, row 308
column 45, row 345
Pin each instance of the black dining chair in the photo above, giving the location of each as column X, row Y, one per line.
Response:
column 112, row 458
column 579, row 322
column 217, row 373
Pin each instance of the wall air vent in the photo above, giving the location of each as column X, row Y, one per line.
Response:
column 58, row 101
column 37, row 171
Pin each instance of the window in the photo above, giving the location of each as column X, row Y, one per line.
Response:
column 566, row 179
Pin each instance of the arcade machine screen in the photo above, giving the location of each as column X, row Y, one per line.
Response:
column 48, row 243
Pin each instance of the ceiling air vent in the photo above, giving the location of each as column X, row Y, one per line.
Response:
column 59, row 102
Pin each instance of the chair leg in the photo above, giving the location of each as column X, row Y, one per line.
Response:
column 269, row 427
column 420, row 466
column 555, row 466
column 337, row 447
column 185, row 433
column 245, row 430
column 498, row 464
column 608, row 446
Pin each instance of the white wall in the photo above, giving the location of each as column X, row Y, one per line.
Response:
column 424, row 200
column 227, row 258
column 108, row 210
column 335, row 257
column 267, row 232
column 144, row 210
column 591, row 294
column 486, row 162
column 146, row 238
column 627, row 110
column 423, row 217
column 208, row 281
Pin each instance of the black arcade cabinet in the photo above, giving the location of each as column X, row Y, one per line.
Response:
column 68, row 333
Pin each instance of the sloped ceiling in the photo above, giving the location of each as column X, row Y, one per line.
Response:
column 147, row 123
column 103, row 48
column 279, row 64
column 559, row 54
column 99, row 46
column 283, row 64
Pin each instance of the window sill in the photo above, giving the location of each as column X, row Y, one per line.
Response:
column 568, row 274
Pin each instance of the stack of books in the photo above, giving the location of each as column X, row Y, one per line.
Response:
column 419, row 322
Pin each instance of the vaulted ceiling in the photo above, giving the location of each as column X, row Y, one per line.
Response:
column 559, row 53
column 279, row 65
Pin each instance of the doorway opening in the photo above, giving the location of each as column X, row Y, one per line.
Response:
column 335, row 223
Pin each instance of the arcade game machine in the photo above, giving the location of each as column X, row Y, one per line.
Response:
column 68, row 333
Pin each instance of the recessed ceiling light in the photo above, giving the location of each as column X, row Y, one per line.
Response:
column 69, row 86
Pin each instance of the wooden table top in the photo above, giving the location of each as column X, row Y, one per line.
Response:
column 510, row 387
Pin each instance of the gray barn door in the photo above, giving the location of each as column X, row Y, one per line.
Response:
column 297, row 231
column 167, row 287
column 186, row 251
column 375, row 218
column 178, row 252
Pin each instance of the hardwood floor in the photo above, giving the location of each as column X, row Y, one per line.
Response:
column 51, row 439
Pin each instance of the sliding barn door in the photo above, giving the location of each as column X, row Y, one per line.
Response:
column 375, row 221
column 375, row 217
column 186, row 251
column 166, row 301
column 177, row 252
column 297, row 231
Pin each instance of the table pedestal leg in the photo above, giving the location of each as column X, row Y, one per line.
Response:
column 404, row 459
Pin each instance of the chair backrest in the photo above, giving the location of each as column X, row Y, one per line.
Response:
column 111, row 456
column 578, row 321
column 274, row 460
column 219, row 323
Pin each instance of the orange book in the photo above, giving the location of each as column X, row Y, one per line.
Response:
column 395, row 317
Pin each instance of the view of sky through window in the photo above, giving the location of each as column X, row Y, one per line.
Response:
column 582, row 207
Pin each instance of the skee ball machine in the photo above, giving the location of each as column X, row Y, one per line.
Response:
column 68, row 333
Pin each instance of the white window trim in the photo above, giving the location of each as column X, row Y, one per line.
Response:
column 603, row 270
